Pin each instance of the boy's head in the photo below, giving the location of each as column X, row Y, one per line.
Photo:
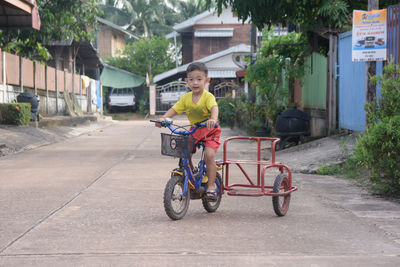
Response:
column 197, row 77
column 197, row 66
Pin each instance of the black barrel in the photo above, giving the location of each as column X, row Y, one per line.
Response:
column 291, row 125
column 27, row 97
column 293, row 122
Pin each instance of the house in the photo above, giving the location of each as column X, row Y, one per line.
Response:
column 19, row 14
column 208, row 33
column 110, row 38
column 221, row 42
column 85, row 57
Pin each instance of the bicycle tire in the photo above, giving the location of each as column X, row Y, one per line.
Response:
column 213, row 206
column 172, row 199
column 281, row 203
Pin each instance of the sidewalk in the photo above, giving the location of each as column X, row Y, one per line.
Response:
column 49, row 130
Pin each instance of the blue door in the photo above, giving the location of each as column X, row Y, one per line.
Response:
column 351, row 88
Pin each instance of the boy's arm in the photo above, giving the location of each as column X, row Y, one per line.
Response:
column 214, row 117
column 170, row 113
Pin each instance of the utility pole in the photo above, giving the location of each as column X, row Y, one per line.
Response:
column 370, row 68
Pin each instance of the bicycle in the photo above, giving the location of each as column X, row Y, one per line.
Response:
column 186, row 182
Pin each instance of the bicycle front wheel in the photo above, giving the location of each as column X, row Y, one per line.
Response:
column 175, row 203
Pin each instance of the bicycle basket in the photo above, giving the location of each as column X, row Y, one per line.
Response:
column 177, row 145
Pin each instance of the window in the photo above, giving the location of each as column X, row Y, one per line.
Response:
column 209, row 45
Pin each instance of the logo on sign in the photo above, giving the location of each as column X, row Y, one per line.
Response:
column 173, row 144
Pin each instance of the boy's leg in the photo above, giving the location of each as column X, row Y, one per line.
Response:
column 209, row 158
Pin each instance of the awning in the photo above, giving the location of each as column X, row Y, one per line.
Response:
column 117, row 78
column 19, row 14
column 214, row 32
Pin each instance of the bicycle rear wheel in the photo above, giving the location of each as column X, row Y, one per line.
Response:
column 175, row 204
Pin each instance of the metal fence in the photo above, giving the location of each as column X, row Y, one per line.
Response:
column 393, row 33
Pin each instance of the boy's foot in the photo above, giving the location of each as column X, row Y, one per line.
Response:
column 211, row 195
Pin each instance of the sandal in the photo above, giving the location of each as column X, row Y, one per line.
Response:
column 211, row 195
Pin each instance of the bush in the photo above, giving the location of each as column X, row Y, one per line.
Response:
column 379, row 148
column 144, row 107
column 379, row 151
column 15, row 113
column 227, row 111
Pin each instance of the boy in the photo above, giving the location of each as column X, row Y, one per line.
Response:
column 199, row 105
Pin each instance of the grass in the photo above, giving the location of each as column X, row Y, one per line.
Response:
column 362, row 177
column 347, row 169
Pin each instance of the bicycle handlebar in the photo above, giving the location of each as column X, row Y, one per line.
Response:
column 168, row 124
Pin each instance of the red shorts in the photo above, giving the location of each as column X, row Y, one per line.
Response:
column 210, row 138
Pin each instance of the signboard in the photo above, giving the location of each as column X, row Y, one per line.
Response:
column 369, row 35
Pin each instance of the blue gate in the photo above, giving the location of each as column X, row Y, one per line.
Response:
column 351, row 86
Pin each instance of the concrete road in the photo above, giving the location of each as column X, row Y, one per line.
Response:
column 96, row 200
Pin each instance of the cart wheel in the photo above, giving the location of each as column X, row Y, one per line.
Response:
column 175, row 204
column 213, row 206
column 281, row 203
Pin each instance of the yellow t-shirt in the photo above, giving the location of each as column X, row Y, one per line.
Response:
column 196, row 112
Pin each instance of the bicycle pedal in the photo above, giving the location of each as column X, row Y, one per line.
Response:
column 201, row 190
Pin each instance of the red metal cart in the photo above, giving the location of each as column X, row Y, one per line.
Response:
column 281, row 189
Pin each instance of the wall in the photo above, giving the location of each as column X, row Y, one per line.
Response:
column 110, row 42
column 241, row 35
column 351, row 86
column 313, row 93
column 41, row 80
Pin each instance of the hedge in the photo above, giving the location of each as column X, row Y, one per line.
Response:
column 15, row 113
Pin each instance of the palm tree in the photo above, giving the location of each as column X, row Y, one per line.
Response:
column 142, row 14
column 192, row 8
column 151, row 17
column 113, row 12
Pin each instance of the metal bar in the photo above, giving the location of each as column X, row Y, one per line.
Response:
column 227, row 175
column 247, row 186
column 246, row 175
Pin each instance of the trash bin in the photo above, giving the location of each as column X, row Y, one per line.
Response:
column 27, row 97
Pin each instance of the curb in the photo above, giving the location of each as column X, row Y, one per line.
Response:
column 63, row 121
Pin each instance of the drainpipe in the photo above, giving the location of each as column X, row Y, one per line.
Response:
column 176, row 49
column 21, row 79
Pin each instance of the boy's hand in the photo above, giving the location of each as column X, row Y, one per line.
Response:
column 211, row 123
column 158, row 124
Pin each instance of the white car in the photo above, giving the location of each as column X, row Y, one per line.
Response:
column 122, row 98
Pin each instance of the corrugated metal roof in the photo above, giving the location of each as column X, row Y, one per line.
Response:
column 190, row 22
column 116, row 27
column 214, row 32
column 222, row 73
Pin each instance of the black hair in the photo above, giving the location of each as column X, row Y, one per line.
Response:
column 197, row 66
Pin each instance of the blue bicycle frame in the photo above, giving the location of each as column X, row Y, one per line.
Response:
column 197, row 179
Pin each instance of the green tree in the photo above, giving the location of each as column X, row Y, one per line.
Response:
column 146, row 55
column 60, row 20
column 310, row 13
column 191, row 8
column 149, row 17
column 280, row 60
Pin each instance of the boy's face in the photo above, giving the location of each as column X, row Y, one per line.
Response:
column 197, row 80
